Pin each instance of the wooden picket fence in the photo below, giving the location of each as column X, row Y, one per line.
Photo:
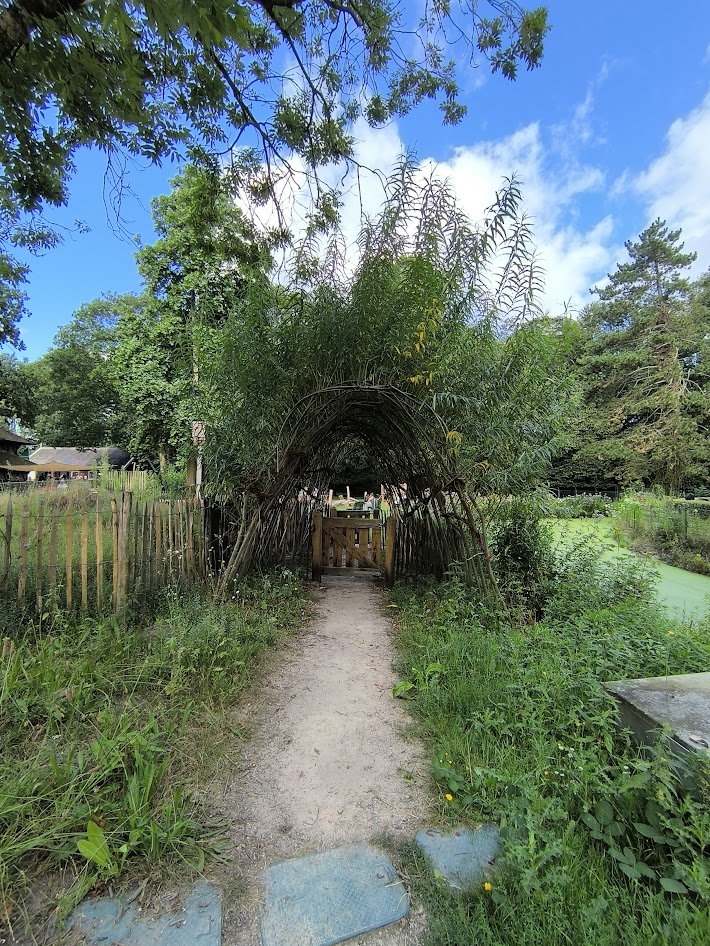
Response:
column 97, row 553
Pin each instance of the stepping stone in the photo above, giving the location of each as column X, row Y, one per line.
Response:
column 462, row 857
column 109, row 921
column 331, row 896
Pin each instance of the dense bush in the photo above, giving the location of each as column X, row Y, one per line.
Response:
column 582, row 506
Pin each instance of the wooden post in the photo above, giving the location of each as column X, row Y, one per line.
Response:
column 158, row 545
column 40, row 563
column 183, row 537
column 24, row 529
column 142, row 517
column 151, row 564
column 7, row 557
column 390, row 531
column 133, row 544
column 99, row 556
column 201, row 569
column 69, row 554
column 191, row 476
column 190, row 526
column 114, row 546
column 124, row 524
column 53, row 555
column 317, row 545
column 170, row 539
column 84, row 558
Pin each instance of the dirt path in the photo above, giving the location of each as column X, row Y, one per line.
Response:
column 328, row 763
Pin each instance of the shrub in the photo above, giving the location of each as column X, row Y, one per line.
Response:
column 582, row 506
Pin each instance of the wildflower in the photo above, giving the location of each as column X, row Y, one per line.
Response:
column 671, row 633
column 448, row 797
column 488, row 887
column 546, row 772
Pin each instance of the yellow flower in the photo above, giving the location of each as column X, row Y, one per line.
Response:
column 546, row 772
column 670, row 633
column 448, row 797
column 488, row 887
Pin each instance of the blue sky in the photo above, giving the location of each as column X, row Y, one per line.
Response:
column 612, row 131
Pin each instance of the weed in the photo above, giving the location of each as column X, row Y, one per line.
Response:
column 94, row 719
column 600, row 844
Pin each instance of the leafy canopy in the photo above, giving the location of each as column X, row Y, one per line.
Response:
column 434, row 307
column 158, row 78
column 643, row 372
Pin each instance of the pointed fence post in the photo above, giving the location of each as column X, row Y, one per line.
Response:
column 317, row 545
column 390, row 534
column 124, row 525
column 7, row 555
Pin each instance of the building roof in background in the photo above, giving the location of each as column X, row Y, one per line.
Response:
column 11, row 461
column 73, row 456
column 7, row 435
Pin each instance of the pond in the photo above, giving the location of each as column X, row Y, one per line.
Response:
column 684, row 594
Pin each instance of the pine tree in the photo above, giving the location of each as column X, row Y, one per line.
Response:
column 638, row 371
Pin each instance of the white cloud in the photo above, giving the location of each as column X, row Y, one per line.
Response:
column 676, row 186
column 574, row 255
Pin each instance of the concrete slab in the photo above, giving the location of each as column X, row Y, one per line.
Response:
column 681, row 702
column 110, row 921
column 326, row 898
column 462, row 857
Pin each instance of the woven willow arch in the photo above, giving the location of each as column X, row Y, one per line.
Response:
column 405, row 441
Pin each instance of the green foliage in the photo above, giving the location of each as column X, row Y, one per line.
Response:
column 580, row 506
column 124, row 370
column 424, row 312
column 163, row 80
column 156, row 79
column 522, row 553
column 643, row 372
column 676, row 531
column 600, row 843
column 74, row 398
column 95, row 720
column 205, row 255
column 16, row 394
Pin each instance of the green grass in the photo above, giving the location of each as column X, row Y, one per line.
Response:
column 595, row 836
column 105, row 729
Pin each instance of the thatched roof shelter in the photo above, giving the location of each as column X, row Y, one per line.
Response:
column 89, row 458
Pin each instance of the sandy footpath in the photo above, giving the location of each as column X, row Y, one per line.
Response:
column 327, row 762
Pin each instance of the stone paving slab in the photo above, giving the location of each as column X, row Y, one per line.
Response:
column 326, row 898
column 462, row 857
column 109, row 921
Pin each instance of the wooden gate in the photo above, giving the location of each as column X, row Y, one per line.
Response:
column 352, row 546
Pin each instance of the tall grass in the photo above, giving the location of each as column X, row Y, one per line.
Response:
column 600, row 844
column 96, row 722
